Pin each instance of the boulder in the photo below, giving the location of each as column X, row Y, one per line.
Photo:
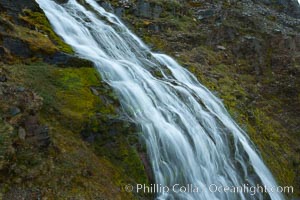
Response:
column 205, row 13
column 66, row 60
column 17, row 47
column 3, row 78
column 13, row 111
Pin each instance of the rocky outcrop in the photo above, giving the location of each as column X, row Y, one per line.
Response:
column 14, row 8
column 66, row 60
column 19, row 108
column 140, row 8
column 289, row 7
column 16, row 47
column 23, row 27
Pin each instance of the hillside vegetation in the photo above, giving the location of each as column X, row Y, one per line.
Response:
column 63, row 133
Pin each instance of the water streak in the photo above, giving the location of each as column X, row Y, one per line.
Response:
column 190, row 137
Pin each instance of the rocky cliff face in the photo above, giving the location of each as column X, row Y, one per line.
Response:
column 62, row 132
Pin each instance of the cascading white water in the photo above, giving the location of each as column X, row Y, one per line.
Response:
column 190, row 137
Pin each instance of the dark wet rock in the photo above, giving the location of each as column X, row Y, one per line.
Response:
column 203, row 14
column 67, row 60
column 20, row 89
column 3, row 78
column 5, row 25
column 17, row 47
column 13, row 111
column 61, row 1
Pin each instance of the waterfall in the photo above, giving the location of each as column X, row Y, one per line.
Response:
column 189, row 135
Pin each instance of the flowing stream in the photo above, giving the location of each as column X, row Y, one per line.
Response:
column 190, row 137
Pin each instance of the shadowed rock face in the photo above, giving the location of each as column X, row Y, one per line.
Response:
column 66, row 60
column 14, row 8
column 289, row 7
column 17, row 47
column 24, row 45
column 17, row 5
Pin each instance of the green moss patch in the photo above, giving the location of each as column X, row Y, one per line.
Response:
column 39, row 21
column 71, row 167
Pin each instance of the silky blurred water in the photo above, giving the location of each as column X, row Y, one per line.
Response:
column 190, row 137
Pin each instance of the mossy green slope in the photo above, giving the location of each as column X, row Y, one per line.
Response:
column 68, row 105
column 70, row 167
